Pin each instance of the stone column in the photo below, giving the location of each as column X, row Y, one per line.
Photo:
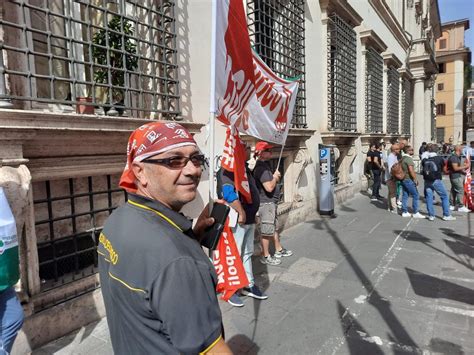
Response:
column 418, row 114
column 428, row 128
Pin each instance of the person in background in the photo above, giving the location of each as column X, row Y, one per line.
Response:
column 422, row 149
column 374, row 159
column 433, row 166
column 267, row 183
column 409, row 184
column 457, row 172
column 158, row 285
column 11, row 311
column 244, row 231
column 391, row 181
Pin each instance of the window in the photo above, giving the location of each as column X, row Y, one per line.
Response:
column 393, row 97
column 440, row 109
column 342, row 72
column 69, row 216
column 277, row 33
column 440, row 134
column 117, row 55
column 442, row 43
column 407, row 104
column 440, row 87
column 442, row 68
column 373, row 91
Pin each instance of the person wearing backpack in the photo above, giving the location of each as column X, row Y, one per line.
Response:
column 409, row 184
column 433, row 166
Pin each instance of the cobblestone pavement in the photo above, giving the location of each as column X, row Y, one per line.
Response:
column 365, row 282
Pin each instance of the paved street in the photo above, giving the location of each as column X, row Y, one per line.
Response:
column 365, row 282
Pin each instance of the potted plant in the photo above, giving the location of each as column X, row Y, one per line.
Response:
column 118, row 30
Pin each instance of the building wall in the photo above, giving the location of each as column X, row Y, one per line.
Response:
column 58, row 147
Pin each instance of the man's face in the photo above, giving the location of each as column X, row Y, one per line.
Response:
column 266, row 154
column 174, row 187
column 410, row 151
column 472, row 144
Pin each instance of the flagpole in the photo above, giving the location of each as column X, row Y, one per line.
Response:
column 281, row 153
column 212, row 110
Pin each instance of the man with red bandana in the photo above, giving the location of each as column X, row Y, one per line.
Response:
column 157, row 283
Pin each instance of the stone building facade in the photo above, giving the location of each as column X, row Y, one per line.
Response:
column 453, row 58
column 77, row 76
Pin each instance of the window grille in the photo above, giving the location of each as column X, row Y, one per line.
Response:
column 117, row 55
column 393, row 93
column 342, row 68
column 374, row 92
column 407, row 106
column 276, row 29
column 69, row 216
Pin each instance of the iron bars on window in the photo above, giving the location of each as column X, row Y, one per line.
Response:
column 276, row 29
column 407, row 105
column 373, row 91
column 393, row 93
column 69, row 215
column 72, row 54
column 341, row 63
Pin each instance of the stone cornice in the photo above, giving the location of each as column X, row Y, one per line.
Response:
column 405, row 73
column 342, row 8
column 370, row 38
column 387, row 16
column 391, row 59
column 32, row 120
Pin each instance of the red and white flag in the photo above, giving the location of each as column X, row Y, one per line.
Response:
column 233, row 160
column 230, row 271
column 248, row 95
column 467, row 185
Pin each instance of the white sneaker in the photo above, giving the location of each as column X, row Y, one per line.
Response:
column 431, row 218
column 418, row 215
column 399, row 203
column 452, row 208
column 463, row 209
column 406, row 214
column 449, row 218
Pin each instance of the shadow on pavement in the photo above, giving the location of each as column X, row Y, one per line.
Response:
column 360, row 342
column 241, row 344
column 398, row 331
column 417, row 237
column 433, row 287
column 440, row 346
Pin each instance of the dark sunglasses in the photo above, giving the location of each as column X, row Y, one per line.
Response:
column 179, row 162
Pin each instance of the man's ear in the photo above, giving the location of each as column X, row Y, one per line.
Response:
column 138, row 169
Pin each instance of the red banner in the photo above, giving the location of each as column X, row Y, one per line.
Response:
column 467, row 186
column 231, row 274
column 233, row 160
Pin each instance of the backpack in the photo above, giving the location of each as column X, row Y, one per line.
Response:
column 430, row 169
column 397, row 171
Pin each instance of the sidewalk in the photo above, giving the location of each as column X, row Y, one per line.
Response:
column 365, row 282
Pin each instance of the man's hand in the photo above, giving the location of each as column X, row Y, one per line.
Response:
column 277, row 175
column 242, row 217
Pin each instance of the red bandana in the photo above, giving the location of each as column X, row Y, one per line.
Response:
column 151, row 139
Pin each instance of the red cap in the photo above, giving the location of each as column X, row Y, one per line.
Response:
column 261, row 146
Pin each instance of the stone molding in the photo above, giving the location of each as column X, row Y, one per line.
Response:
column 342, row 8
column 370, row 38
column 391, row 59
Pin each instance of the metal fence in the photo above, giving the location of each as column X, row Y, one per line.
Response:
column 117, row 56
column 276, row 29
column 373, row 92
column 407, row 105
column 69, row 216
column 342, row 69
column 393, row 97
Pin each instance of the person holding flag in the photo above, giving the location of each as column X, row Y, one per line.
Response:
column 468, row 202
column 244, row 229
column 267, row 182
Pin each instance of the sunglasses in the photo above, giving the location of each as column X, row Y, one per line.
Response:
column 179, row 162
